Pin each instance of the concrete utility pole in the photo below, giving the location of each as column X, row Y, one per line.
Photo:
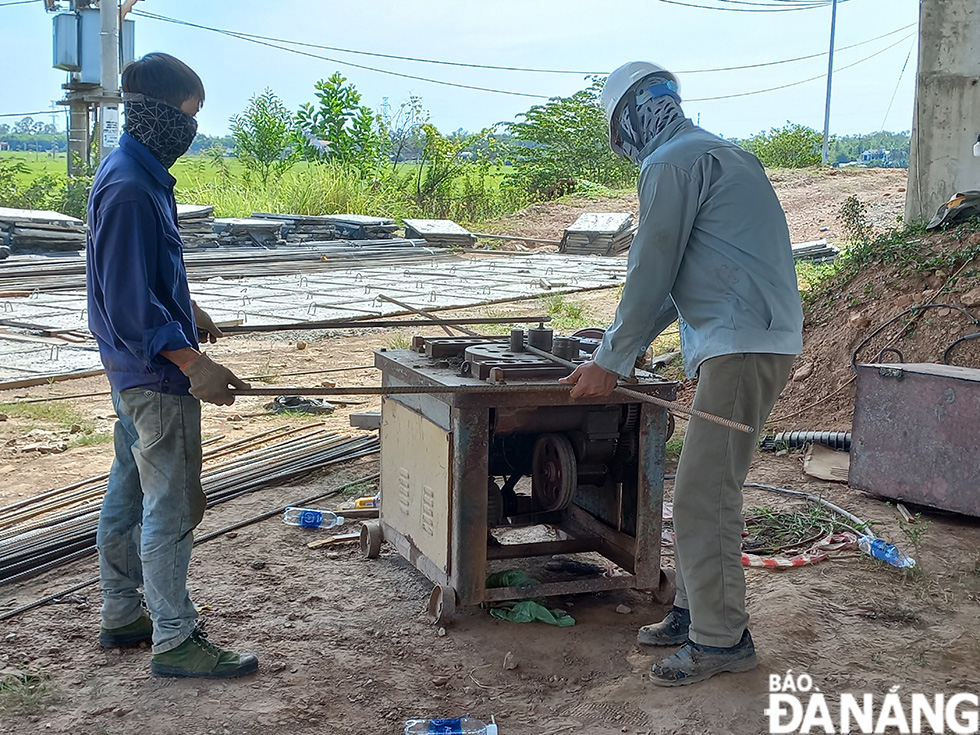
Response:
column 946, row 123
column 830, row 78
column 109, row 104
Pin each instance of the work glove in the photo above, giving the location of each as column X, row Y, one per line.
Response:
column 206, row 329
column 210, row 381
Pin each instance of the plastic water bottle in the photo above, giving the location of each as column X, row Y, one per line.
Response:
column 456, row 726
column 311, row 517
column 885, row 551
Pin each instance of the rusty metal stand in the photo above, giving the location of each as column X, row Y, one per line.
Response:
column 437, row 458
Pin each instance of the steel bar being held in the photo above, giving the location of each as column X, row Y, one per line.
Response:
column 637, row 396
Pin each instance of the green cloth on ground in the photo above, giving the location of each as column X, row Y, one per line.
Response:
column 511, row 578
column 524, row 611
column 529, row 611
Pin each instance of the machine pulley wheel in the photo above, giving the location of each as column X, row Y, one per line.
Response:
column 554, row 472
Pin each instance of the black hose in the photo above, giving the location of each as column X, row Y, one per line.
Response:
column 950, row 348
column 911, row 310
column 840, row 440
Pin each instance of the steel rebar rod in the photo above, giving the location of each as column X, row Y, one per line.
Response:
column 383, row 324
column 208, row 537
column 673, row 407
column 427, row 315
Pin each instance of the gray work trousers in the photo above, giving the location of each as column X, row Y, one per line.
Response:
column 708, row 491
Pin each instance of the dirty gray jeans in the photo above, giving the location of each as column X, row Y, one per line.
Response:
column 152, row 504
column 708, row 491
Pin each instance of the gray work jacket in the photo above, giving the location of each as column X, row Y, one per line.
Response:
column 711, row 249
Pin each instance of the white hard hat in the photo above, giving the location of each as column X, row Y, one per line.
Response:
column 620, row 82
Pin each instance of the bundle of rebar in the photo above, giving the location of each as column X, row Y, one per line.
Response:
column 59, row 526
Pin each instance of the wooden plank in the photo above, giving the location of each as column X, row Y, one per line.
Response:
column 30, row 382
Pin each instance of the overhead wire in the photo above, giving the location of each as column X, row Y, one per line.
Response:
column 798, row 58
column 766, row 9
column 897, row 85
column 29, row 114
column 276, row 43
column 234, row 34
column 441, row 62
column 802, row 81
column 306, row 44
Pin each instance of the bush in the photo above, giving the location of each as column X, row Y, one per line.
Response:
column 793, row 146
column 566, row 139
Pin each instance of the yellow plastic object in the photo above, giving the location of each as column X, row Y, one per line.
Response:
column 366, row 502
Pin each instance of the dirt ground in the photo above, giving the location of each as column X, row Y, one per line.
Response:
column 343, row 642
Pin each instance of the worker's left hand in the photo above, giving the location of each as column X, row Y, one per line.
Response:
column 591, row 381
column 206, row 329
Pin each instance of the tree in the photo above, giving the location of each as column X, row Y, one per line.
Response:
column 26, row 125
column 567, row 138
column 264, row 137
column 339, row 128
column 792, row 146
column 403, row 131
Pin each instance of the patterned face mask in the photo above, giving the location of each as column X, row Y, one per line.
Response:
column 653, row 114
column 166, row 130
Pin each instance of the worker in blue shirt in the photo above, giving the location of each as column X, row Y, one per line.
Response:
column 712, row 251
column 146, row 325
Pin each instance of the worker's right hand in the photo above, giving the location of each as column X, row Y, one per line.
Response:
column 211, row 382
column 591, row 381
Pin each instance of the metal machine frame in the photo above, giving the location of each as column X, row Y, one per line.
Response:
column 434, row 487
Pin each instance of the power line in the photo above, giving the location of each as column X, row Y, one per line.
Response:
column 244, row 35
column 261, row 40
column 29, row 114
column 764, row 9
column 798, row 58
column 802, row 81
column 897, row 84
column 234, row 34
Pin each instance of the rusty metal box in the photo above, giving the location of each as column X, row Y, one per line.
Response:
column 916, row 435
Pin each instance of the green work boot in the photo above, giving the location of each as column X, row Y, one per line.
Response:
column 137, row 631
column 695, row 662
column 199, row 658
column 671, row 631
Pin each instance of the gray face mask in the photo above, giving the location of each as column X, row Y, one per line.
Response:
column 639, row 124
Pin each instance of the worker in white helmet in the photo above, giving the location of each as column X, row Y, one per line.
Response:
column 712, row 251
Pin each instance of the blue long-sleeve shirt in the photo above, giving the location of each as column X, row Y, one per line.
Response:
column 138, row 299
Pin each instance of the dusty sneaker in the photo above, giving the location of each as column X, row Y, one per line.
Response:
column 198, row 657
column 137, row 631
column 694, row 663
column 671, row 631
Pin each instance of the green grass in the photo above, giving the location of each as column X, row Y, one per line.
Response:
column 566, row 316
column 398, row 341
column 810, row 275
column 90, row 440
column 53, row 412
column 674, row 446
column 25, row 692
column 37, row 164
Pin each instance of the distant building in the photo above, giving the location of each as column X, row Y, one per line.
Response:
column 876, row 155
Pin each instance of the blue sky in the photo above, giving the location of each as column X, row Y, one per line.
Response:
column 550, row 34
